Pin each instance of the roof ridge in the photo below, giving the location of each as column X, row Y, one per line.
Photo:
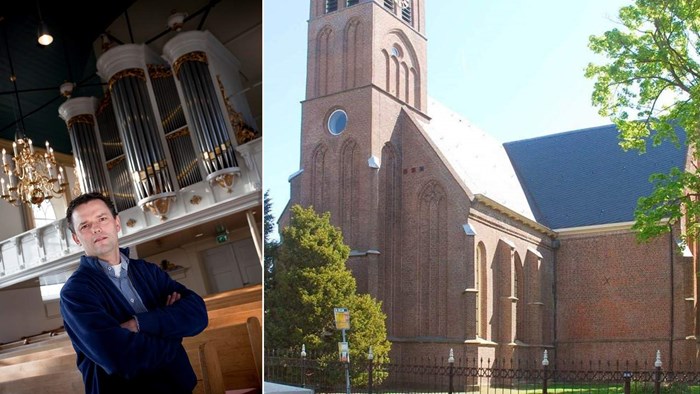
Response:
column 561, row 133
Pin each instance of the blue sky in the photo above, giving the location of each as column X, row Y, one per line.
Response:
column 512, row 68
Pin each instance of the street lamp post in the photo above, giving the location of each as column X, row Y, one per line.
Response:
column 370, row 357
column 303, row 365
column 451, row 361
column 657, row 374
column 347, row 367
column 545, row 364
column 627, row 375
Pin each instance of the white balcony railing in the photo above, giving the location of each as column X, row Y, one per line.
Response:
column 51, row 248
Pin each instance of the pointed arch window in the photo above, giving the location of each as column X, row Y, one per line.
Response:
column 481, row 292
column 477, row 286
column 331, row 5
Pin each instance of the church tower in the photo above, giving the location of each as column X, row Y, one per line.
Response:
column 366, row 61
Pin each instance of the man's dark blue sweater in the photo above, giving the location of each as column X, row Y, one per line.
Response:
column 113, row 359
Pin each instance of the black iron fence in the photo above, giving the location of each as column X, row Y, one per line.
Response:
column 483, row 376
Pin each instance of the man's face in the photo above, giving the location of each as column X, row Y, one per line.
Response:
column 96, row 230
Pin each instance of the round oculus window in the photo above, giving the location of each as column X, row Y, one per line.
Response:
column 337, row 122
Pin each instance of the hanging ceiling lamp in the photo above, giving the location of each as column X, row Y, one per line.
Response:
column 33, row 177
column 28, row 177
column 43, row 36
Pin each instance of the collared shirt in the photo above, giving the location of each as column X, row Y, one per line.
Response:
column 124, row 284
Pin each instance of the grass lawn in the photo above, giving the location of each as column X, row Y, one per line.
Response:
column 636, row 388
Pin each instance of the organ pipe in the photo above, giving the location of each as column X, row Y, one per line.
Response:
column 198, row 60
column 125, row 67
column 79, row 115
column 177, row 134
column 117, row 170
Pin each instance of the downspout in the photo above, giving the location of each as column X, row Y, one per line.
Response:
column 555, row 244
column 670, row 266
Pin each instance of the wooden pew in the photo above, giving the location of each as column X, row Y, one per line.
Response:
column 244, row 295
column 64, row 382
column 32, row 341
column 31, row 351
column 227, row 357
column 57, row 349
column 234, row 315
column 50, row 371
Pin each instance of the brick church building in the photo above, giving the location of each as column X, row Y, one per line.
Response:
column 494, row 250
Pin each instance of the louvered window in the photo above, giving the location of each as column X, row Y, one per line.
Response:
column 331, row 5
column 351, row 2
column 406, row 11
column 389, row 4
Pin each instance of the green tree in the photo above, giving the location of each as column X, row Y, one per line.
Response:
column 311, row 280
column 270, row 243
column 649, row 89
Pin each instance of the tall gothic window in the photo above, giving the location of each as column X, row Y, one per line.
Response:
column 331, row 5
column 481, row 291
column 521, row 329
column 477, row 286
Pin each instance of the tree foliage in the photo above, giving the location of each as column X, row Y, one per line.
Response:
column 311, row 280
column 649, row 88
column 271, row 244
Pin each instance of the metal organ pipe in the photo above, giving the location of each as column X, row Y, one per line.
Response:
column 125, row 67
column 198, row 60
column 117, row 168
column 180, row 145
column 201, row 105
column 79, row 115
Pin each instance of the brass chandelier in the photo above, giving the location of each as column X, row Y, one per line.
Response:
column 32, row 177
column 28, row 177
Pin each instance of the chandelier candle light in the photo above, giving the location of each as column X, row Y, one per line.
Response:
column 33, row 177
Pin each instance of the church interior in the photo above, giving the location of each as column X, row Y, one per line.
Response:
column 157, row 104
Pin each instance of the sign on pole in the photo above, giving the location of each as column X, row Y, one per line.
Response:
column 342, row 323
column 343, row 352
column 342, row 318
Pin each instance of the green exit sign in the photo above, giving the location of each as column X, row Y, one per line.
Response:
column 221, row 234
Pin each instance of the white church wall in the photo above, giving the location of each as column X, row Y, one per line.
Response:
column 190, row 257
column 24, row 313
column 11, row 220
column 187, row 257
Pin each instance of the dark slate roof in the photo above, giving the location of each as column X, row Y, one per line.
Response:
column 584, row 178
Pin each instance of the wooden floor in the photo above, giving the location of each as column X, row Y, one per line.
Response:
column 226, row 356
